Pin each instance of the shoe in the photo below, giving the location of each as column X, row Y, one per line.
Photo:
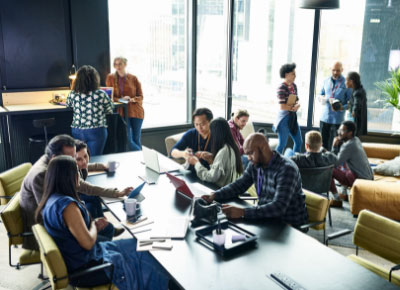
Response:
column 118, row 231
column 344, row 197
column 335, row 203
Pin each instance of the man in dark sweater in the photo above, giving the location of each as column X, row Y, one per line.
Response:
column 350, row 152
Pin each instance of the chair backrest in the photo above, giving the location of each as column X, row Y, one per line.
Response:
column 170, row 141
column 248, row 129
column 41, row 123
column 317, row 207
column 12, row 219
column 51, row 258
column 11, row 180
column 378, row 234
column 317, row 179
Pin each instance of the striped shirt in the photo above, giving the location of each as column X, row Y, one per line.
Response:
column 281, row 195
column 283, row 94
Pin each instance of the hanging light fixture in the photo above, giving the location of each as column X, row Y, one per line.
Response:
column 319, row 4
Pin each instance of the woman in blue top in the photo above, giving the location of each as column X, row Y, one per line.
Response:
column 67, row 220
column 90, row 106
column 286, row 122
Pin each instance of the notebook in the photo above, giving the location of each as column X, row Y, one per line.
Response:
column 158, row 162
column 195, row 189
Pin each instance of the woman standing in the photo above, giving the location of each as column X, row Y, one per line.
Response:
column 226, row 166
column 128, row 87
column 90, row 106
column 358, row 103
column 286, row 123
column 68, row 222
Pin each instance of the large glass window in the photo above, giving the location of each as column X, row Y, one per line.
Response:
column 152, row 36
column 211, row 55
column 268, row 34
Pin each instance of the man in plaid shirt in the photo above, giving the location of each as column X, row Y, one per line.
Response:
column 277, row 181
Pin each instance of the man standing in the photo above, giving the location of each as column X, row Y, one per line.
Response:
column 334, row 98
column 277, row 181
column 349, row 152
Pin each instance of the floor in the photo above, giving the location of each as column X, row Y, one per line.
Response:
column 27, row 277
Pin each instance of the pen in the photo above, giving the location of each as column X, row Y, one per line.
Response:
column 141, row 231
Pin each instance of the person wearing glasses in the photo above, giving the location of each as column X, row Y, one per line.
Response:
column 352, row 161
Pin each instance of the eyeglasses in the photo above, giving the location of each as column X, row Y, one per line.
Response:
column 341, row 131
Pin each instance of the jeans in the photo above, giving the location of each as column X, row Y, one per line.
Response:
column 93, row 205
column 283, row 135
column 289, row 152
column 135, row 132
column 328, row 132
column 95, row 138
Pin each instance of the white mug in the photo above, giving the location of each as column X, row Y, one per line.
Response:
column 112, row 166
column 131, row 206
column 219, row 239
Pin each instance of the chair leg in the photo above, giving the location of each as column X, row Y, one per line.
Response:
column 41, row 275
column 329, row 210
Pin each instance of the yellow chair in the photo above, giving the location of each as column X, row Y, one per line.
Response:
column 54, row 263
column 11, row 180
column 380, row 236
column 12, row 219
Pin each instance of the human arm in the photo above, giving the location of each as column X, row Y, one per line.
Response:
column 182, row 149
column 205, row 155
column 75, row 223
column 97, row 167
column 237, row 187
column 69, row 101
column 37, row 186
column 90, row 189
column 347, row 97
column 358, row 102
column 139, row 93
column 217, row 168
column 343, row 153
column 108, row 105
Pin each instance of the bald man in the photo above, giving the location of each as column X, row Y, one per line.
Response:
column 333, row 89
column 277, row 181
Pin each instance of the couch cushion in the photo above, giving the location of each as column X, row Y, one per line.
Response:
column 389, row 168
column 381, row 150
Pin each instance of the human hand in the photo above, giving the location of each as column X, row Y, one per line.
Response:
column 336, row 141
column 209, row 198
column 126, row 98
column 103, row 166
column 323, row 100
column 124, row 192
column 187, row 153
column 296, row 107
column 133, row 100
column 192, row 160
column 207, row 156
column 100, row 223
column 232, row 211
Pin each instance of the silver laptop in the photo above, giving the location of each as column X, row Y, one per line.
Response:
column 157, row 162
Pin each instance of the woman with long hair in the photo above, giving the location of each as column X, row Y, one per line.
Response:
column 90, row 106
column 67, row 220
column 358, row 111
column 127, row 87
column 286, row 122
column 226, row 164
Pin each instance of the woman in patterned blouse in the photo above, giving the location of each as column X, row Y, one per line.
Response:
column 127, row 86
column 90, row 106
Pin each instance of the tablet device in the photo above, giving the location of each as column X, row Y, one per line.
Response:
column 136, row 191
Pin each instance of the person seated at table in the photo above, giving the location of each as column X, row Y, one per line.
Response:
column 93, row 202
column 277, row 181
column 196, row 140
column 68, row 222
column 352, row 161
column 32, row 186
column 238, row 121
column 226, row 166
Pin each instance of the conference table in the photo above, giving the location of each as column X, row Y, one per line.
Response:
column 279, row 247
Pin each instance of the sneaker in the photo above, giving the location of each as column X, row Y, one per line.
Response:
column 118, row 231
column 335, row 203
column 344, row 197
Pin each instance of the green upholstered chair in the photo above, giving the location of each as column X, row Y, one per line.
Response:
column 380, row 236
column 11, row 180
column 54, row 263
column 12, row 220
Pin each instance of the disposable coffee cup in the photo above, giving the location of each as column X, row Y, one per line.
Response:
column 219, row 239
column 112, row 166
column 131, row 206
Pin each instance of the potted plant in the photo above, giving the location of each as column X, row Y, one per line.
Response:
column 390, row 89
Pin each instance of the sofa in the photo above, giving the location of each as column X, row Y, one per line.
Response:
column 381, row 195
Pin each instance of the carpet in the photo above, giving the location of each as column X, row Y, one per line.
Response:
column 342, row 218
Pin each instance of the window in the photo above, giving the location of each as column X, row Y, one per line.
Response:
column 211, row 55
column 268, row 34
column 152, row 36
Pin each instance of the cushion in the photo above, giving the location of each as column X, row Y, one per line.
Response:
column 170, row 141
column 11, row 180
column 381, row 150
column 12, row 220
column 389, row 168
column 317, row 207
column 29, row 257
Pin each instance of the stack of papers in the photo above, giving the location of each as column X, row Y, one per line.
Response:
column 139, row 226
column 153, row 244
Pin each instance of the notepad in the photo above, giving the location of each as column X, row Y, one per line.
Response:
column 291, row 100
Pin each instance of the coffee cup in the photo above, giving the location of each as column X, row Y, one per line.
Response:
column 112, row 166
column 132, row 206
column 219, row 239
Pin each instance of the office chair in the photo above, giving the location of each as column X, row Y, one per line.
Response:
column 318, row 180
column 380, row 236
column 11, row 180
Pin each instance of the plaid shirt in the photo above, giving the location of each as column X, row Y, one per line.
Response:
column 281, row 193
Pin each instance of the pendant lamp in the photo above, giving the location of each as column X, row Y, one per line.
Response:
column 319, row 4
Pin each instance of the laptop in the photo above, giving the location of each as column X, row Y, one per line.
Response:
column 159, row 163
column 192, row 193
